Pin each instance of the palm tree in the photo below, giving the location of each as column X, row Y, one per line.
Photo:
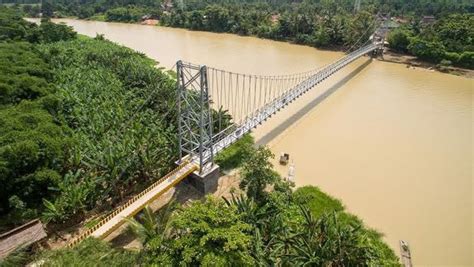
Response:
column 151, row 226
column 328, row 242
column 264, row 220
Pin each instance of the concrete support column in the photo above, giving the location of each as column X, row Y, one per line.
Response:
column 207, row 181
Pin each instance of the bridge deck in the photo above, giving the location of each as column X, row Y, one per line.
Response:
column 134, row 205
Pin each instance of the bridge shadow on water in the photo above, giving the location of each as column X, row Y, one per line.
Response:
column 315, row 102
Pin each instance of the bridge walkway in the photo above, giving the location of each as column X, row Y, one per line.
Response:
column 115, row 219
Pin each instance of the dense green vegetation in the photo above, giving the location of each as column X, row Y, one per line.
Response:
column 326, row 24
column 34, row 143
column 89, row 8
column 449, row 41
column 233, row 156
column 14, row 28
column 297, row 24
column 118, row 105
column 83, row 122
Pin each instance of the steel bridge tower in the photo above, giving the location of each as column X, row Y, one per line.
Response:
column 194, row 113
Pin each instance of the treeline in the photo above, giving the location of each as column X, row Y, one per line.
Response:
column 134, row 10
column 394, row 7
column 298, row 24
column 253, row 227
column 326, row 23
column 84, row 122
column 449, row 41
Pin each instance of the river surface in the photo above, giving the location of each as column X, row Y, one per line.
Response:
column 393, row 143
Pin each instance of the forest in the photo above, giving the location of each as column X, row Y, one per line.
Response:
column 449, row 41
column 86, row 123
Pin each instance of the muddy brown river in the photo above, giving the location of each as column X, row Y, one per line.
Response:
column 393, row 143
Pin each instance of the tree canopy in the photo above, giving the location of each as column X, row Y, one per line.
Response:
column 450, row 39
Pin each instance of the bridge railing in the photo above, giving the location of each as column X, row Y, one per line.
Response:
column 125, row 205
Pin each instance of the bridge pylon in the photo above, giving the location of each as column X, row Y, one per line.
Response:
column 194, row 114
column 195, row 125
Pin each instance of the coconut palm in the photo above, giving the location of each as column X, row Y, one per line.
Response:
column 152, row 226
column 328, row 242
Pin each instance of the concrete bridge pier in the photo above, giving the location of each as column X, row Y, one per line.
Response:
column 207, row 181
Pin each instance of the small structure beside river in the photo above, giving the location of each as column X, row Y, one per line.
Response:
column 22, row 236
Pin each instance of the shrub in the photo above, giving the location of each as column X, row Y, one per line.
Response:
column 234, row 156
column 399, row 40
column 318, row 202
column 322, row 206
column 445, row 63
column 23, row 73
column 90, row 252
column 427, row 50
column 452, row 56
column 467, row 60
column 12, row 26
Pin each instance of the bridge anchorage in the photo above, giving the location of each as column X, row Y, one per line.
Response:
column 217, row 107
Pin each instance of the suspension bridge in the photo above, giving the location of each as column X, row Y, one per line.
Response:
column 217, row 108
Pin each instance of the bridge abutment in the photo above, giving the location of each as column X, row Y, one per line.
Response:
column 207, row 181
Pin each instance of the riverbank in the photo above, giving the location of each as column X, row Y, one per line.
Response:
column 415, row 63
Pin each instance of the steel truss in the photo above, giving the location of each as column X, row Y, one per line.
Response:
column 194, row 114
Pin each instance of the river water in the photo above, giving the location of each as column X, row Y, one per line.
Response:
column 393, row 143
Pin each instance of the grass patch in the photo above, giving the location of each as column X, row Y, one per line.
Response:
column 317, row 201
column 98, row 17
column 233, row 156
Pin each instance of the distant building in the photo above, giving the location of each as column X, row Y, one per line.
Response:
column 400, row 20
column 152, row 22
column 145, row 17
column 387, row 26
column 275, row 18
